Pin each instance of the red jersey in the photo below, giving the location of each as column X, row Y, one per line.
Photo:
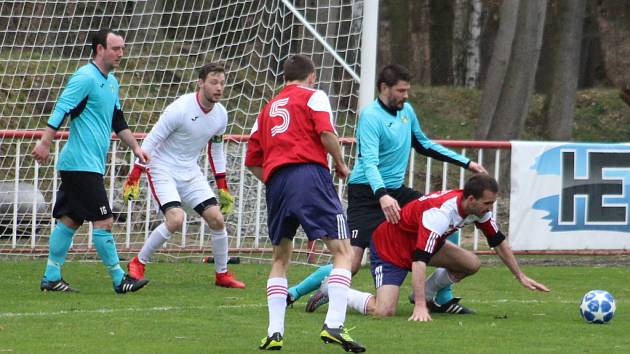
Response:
column 424, row 224
column 288, row 130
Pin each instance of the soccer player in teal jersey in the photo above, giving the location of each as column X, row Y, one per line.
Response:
column 90, row 102
column 387, row 130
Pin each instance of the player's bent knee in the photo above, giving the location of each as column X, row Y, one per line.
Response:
column 106, row 224
column 174, row 219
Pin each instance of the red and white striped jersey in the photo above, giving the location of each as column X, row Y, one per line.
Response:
column 424, row 224
column 183, row 130
column 288, row 130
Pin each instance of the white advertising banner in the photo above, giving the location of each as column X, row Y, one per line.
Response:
column 569, row 196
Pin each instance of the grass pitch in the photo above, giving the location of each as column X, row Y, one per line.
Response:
column 181, row 311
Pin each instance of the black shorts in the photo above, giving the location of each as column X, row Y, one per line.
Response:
column 81, row 197
column 365, row 213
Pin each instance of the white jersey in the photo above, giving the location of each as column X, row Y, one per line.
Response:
column 181, row 133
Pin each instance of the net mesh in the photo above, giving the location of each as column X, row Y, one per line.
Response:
column 44, row 42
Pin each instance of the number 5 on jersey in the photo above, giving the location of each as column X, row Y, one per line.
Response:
column 277, row 110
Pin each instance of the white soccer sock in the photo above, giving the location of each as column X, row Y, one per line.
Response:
column 358, row 300
column 435, row 282
column 277, row 304
column 339, row 282
column 220, row 249
column 156, row 240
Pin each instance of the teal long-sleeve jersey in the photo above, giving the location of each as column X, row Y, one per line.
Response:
column 384, row 142
column 90, row 100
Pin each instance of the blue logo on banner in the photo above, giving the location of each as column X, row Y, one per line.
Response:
column 595, row 181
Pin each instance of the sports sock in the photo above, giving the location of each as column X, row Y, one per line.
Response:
column 445, row 294
column 358, row 300
column 338, row 284
column 311, row 282
column 438, row 280
column 59, row 244
column 156, row 239
column 106, row 249
column 454, row 237
column 220, row 249
column 277, row 304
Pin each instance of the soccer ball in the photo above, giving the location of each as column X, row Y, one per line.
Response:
column 598, row 306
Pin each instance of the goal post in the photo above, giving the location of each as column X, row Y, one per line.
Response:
column 44, row 42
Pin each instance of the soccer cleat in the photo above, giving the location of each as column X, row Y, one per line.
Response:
column 227, row 280
column 315, row 301
column 452, row 306
column 135, row 268
column 340, row 336
column 130, row 284
column 271, row 343
column 59, row 285
column 290, row 300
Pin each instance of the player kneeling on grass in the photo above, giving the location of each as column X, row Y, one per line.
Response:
column 186, row 127
column 419, row 240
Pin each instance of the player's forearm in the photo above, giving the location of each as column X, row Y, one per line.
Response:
column 331, row 144
column 126, row 136
column 418, row 277
column 48, row 136
column 507, row 256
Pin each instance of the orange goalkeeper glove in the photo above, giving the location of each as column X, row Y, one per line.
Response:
column 131, row 188
column 226, row 200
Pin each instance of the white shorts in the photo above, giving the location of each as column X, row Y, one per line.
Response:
column 168, row 187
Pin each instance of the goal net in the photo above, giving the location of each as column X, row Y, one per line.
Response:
column 44, row 42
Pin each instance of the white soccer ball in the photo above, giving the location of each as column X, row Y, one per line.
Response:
column 598, row 306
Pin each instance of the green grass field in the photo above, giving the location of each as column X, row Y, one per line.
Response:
column 181, row 311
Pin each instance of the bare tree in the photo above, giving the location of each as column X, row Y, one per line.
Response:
column 560, row 103
column 498, row 66
column 460, row 21
column 473, row 60
column 420, row 41
column 511, row 93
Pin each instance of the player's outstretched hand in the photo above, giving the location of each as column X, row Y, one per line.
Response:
column 226, row 199
column 131, row 187
column 531, row 284
column 477, row 168
column 420, row 314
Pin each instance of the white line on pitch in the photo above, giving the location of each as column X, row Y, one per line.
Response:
column 128, row 309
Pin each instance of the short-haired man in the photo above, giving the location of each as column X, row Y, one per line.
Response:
column 188, row 125
column 287, row 151
column 90, row 101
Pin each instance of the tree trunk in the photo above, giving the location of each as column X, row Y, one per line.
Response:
column 497, row 69
column 458, row 57
column 614, row 26
column 472, row 44
column 419, row 41
column 384, row 34
column 566, row 64
column 512, row 108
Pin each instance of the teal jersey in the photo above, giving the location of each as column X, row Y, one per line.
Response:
column 90, row 100
column 384, row 142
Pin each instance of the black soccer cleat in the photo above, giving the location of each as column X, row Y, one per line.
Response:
column 59, row 285
column 290, row 300
column 315, row 301
column 130, row 284
column 452, row 306
column 271, row 343
column 340, row 336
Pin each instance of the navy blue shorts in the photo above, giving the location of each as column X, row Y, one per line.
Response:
column 304, row 194
column 385, row 273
